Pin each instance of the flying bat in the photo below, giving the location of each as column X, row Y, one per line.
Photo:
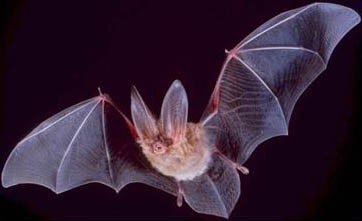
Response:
column 198, row 162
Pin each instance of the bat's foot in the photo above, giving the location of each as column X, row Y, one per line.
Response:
column 180, row 197
column 179, row 200
column 242, row 169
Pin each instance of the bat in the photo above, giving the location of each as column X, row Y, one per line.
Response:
column 199, row 163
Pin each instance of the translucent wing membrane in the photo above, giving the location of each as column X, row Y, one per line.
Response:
column 215, row 192
column 82, row 144
column 265, row 74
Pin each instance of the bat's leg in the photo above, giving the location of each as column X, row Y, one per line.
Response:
column 180, row 197
column 244, row 170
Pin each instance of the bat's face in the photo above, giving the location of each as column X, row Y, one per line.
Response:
column 173, row 146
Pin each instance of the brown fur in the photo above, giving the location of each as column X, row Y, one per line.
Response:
column 183, row 160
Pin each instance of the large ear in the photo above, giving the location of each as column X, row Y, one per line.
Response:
column 174, row 111
column 142, row 117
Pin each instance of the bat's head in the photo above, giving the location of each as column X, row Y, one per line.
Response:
column 171, row 144
column 160, row 134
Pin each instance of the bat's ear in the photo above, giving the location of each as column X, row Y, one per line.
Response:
column 142, row 117
column 174, row 111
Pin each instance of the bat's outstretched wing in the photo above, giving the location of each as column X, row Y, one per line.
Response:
column 80, row 145
column 264, row 75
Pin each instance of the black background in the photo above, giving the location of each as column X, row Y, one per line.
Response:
column 56, row 53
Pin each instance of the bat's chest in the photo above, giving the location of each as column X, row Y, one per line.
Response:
column 185, row 160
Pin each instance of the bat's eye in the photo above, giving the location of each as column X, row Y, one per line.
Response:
column 158, row 148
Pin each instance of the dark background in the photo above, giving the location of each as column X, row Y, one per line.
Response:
column 56, row 53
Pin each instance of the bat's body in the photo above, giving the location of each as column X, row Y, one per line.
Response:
column 183, row 160
column 259, row 84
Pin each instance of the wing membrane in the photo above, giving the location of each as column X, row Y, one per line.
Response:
column 215, row 192
column 85, row 143
column 265, row 74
